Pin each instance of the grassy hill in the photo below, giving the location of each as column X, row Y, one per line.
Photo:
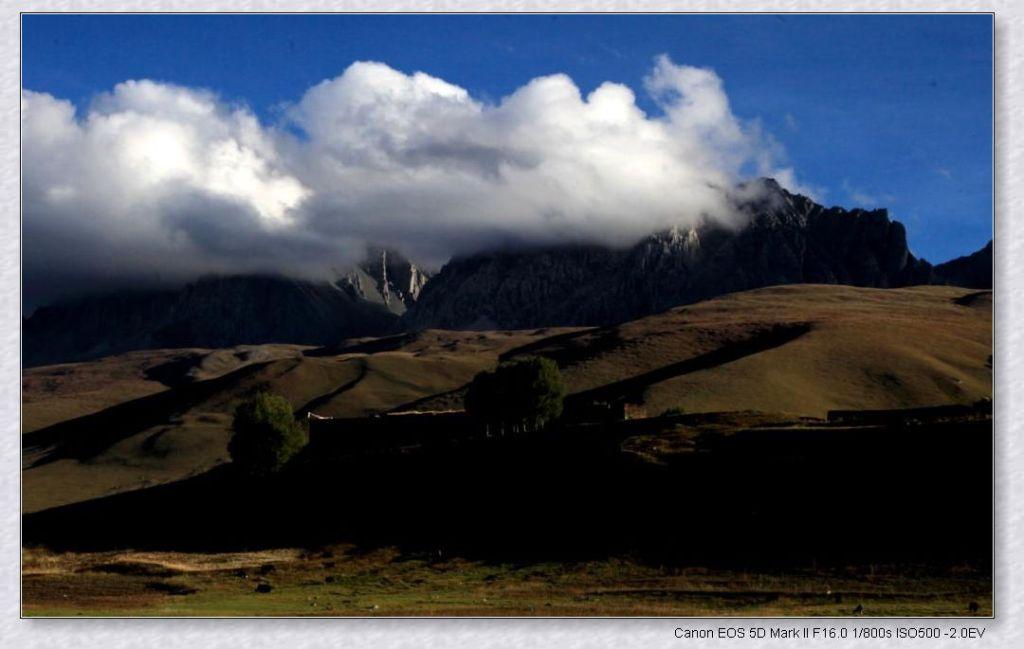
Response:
column 145, row 418
column 856, row 348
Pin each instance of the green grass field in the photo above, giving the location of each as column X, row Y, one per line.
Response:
column 337, row 582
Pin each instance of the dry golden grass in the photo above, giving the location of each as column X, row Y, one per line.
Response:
column 38, row 561
column 866, row 348
column 56, row 393
column 186, row 447
column 182, row 444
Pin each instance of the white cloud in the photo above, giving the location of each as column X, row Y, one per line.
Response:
column 157, row 180
column 864, row 199
column 786, row 176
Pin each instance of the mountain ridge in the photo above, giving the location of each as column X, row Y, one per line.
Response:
column 971, row 271
column 788, row 238
column 223, row 311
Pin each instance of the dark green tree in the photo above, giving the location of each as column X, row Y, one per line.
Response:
column 482, row 398
column 265, row 434
column 524, row 394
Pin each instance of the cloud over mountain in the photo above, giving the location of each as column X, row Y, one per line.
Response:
column 159, row 183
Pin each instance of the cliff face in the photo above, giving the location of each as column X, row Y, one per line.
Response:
column 386, row 278
column 508, row 290
column 787, row 239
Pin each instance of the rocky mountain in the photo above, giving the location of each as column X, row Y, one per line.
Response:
column 386, row 278
column 972, row 271
column 787, row 239
column 227, row 311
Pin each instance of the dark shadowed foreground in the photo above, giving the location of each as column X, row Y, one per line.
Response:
column 782, row 499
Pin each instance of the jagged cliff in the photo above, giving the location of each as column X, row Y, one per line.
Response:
column 386, row 278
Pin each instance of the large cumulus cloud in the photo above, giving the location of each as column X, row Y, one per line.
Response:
column 157, row 183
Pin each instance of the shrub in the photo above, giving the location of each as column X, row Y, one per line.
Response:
column 525, row 393
column 265, row 434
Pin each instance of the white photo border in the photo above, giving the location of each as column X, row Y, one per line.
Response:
column 1004, row 630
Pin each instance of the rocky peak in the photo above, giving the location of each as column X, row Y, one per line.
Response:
column 386, row 277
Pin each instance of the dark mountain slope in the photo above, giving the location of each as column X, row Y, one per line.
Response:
column 788, row 239
column 212, row 312
column 227, row 311
column 971, row 271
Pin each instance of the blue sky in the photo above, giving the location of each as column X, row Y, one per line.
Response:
column 892, row 111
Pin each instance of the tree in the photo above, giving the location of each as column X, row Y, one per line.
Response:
column 522, row 394
column 482, row 398
column 265, row 434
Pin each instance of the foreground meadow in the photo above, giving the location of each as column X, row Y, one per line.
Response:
column 338, row 581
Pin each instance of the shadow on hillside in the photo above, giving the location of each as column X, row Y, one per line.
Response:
column 756, row 498
column 970, row 299
column 315, row 404
column 374, row 346
column 570, row 348
column 175, row 372
column 632, row 388
column 84, row 437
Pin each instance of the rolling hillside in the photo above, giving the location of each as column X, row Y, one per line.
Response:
column 851, row 348
column 144, row 418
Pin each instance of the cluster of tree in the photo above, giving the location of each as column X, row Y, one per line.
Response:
column 265, row 434
column 519, row 396
column 522, row 395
